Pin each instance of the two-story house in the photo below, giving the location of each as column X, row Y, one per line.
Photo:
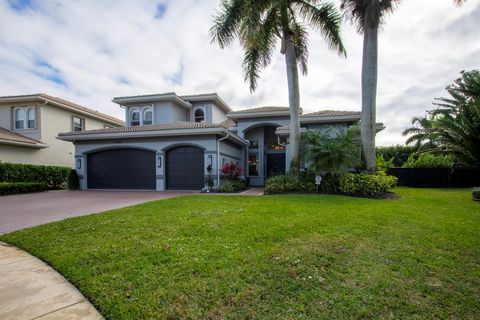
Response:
column 30, row 124
column 169, row 141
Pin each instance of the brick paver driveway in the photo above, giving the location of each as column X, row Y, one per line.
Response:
column 27, row 210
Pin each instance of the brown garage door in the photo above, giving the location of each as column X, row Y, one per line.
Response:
column 185, row 168
column 121, row 169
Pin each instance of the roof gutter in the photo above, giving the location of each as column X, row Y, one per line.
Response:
column 24, row 144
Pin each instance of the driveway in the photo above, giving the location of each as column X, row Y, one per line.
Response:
column 28, row 210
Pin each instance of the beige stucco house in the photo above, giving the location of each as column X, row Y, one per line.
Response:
column 29, row 125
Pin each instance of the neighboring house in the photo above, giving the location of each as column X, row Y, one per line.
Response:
column 30, row 124
column 170, row 140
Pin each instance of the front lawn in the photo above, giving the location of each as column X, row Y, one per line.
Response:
column 274, row 257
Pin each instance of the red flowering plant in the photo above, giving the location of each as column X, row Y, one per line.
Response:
column 231, row 170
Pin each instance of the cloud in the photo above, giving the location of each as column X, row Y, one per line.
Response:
column 90, row 51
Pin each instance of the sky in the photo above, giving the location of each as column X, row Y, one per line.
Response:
column 89, row 51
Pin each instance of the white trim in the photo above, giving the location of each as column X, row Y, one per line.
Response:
column 153, row 98
column 130, row 114
column 145, row 109
column 330, row 119
column 194, row 111
column 243, row 115
column 24, row 144
column 18, row 110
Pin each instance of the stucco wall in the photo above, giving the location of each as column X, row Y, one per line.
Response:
column 50, row 122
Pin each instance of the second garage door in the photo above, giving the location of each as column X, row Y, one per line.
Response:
column 185, row 168
column 121, row 169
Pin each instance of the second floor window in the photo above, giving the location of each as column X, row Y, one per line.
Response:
column 78, row 124
column 147, row 116
column 135, row 117
column 25, row 118
column 199, row 115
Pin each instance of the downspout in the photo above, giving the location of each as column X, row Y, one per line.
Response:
column 227, row 135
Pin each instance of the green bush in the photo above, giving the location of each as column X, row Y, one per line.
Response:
column 428, row 160
column 398, row 154
column 229, row 186
column 73, row 182
column 50, row 176
column 287, row 184
column 20, row 187
column 476, row 194
column 367, row 185
column 382, row 165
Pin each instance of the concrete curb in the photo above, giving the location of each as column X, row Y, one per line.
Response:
column 30, row 289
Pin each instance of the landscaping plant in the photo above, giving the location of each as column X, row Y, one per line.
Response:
column 366, row 184
column 50, row 176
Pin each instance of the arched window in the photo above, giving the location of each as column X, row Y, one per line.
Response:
column 20, row 118
column 147, row 116
column 134, row 117
column 31, row 118
column 199, row 115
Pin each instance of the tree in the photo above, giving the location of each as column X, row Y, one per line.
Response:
column 368, row 16
column 457, row 119
column 422, row 133
column 330, row 151
column 259, row 24
column 453, row 127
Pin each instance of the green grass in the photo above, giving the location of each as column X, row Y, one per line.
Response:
column 274, row 257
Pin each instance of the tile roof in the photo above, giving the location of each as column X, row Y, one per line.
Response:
column 152, row 127
column 262, row 109
column 331, row 113
column 69, row 104
column 228, row 123
column 7, row 135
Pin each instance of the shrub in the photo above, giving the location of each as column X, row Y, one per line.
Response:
column 287, row 184
column 428, row 160
column 398, row 154
column 382, row 165
column 50, row 176
column 73, row 182
column 229, row 186
column 476, row 194
column 367, row 185
column 20, row 187
column 231, row 170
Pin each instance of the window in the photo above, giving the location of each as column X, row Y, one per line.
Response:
column 252, row 165
column 253, row 144
column 20, row 118
column 31, row 118
column 147, row 116
column 199, row 115
column 78, row 124
column 135, row 117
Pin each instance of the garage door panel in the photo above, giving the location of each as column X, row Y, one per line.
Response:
column 185, row 168
column 121, row 169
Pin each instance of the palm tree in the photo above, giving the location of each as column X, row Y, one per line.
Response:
column 259, row 24
column 422, row 133
column 330, row 151
column 458, row 119
column 368, row 16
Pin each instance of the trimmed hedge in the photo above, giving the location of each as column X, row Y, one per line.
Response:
column 287, row 184
column 397, row 154
column 73, row 182
column 229, row 186
column 20, row 187
column 50, row 176
column 366, row 185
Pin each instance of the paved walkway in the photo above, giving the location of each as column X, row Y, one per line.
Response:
column 28, row 210
column 30, row 289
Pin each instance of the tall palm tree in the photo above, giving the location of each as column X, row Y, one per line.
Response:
column 368, row 16
column 259, row 24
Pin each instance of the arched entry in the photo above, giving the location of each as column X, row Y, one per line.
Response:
column 184, row 166
column 123, row 168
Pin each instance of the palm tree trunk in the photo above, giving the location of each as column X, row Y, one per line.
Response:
column 294, row 104
column 369, row 95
